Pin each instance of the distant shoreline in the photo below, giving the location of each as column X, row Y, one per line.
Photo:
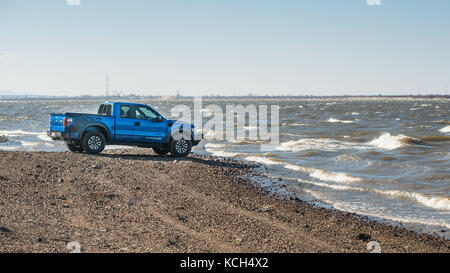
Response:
column 116, row 98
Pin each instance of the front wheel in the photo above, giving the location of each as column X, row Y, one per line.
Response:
column 74, row 148
column 93, row 142
column 180, row 148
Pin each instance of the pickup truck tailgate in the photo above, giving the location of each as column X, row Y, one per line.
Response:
column 57, row 123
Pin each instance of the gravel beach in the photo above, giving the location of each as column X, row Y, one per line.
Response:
column 134, row 201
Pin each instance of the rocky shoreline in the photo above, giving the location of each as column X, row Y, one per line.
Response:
column 134, row 201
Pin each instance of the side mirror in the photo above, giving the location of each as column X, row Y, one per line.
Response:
column 159, row 118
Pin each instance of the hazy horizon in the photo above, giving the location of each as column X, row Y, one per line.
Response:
column 198, row 47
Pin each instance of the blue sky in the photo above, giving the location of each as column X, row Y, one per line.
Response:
column 200, row 47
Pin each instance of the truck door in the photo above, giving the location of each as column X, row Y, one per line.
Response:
column 147, row 126
column 125, row 123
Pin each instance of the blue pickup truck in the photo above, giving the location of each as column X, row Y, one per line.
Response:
column 121, row 123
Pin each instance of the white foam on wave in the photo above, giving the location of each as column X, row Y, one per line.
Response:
column 249, row 128
column 211, row 134
column 263, row 160
column 44, row 137
column 388, row 141
column 324, row 175
column 440, row 202
column 334, row 177
column 400, row 219
column 30, row 143
column 333, row 120
column 20, row 133
column 323, row 144
column 298, row 124
column 435, row 202
column 445, row 129
column 222, row 153
column 215, row 149
column 214, row 145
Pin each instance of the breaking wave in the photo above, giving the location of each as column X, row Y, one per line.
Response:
column 264, row 160
column 445, row 129
column 222, row 153
column 440, row 203
column 324, row 175
column 390, row 142
column 215, row 150
column 322, row 144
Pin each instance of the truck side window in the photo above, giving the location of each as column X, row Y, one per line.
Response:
column 145, row 113
column 125, row 111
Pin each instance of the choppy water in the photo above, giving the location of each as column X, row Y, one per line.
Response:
column 386, row 158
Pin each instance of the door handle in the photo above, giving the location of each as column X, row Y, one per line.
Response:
column 137, row 124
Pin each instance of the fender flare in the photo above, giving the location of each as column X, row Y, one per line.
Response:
column 169, row 135
column 94, row 124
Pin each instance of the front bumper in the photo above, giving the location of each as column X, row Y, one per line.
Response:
column 196, row 139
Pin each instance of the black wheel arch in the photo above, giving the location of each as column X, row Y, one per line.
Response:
column 95, row 127
column 189, row 135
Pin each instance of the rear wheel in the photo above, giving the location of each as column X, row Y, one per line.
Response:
column 161, row 150
column 93, row 142
column 74, row 148
column 180, row 148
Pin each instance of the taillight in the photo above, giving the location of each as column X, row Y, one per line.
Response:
column 67, row 122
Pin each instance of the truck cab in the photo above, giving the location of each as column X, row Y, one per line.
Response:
column 123, row 123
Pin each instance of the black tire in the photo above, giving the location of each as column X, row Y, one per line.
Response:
column 74, row 148
column 180, row 148
column 161, row 151
column 93, row 142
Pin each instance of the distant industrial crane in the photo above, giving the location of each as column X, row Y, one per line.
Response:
column 107, row 86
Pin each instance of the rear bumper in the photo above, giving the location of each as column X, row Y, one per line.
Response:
column 61, row 136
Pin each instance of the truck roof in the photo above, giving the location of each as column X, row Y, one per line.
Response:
column 131, row 103
column 119, row 102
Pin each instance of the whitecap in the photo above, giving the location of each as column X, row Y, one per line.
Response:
column 388, row 141
column 445, row 129
column 333, row 120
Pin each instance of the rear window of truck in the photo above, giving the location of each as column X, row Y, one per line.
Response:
column 105, row 110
